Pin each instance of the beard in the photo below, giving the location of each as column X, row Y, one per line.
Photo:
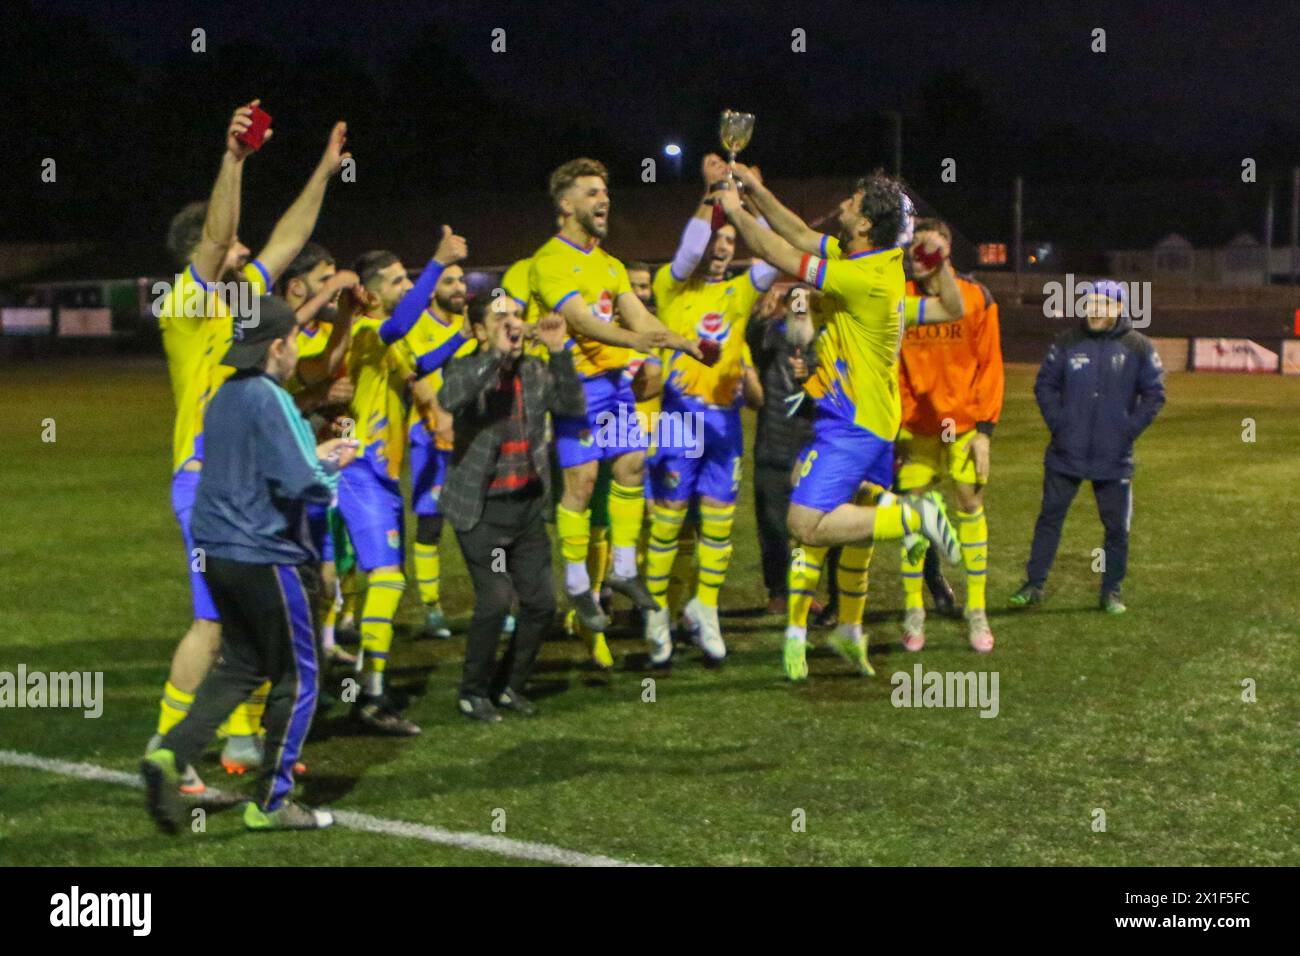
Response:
column 588, row 222
column 454, row 305
column 798, row 331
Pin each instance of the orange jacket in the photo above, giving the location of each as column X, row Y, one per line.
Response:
column 953, row 369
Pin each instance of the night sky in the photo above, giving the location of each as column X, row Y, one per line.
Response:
column 1153, row 130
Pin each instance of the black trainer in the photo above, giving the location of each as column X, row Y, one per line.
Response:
column 380, row 715
column 1029, row 595
column 945, row 601
column 589, row 612
column 634, row 590
column 478, row 708
column 517, row 702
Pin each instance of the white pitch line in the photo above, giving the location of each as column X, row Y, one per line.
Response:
column 518, row 849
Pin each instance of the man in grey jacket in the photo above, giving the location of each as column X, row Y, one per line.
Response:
column 262, row 468
column 495, row 493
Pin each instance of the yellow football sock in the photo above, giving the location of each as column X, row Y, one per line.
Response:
column 973, row 531
column 246, row 719
column 626, row 513
column 805, row 574
column 351, row 588
column 682, row 578
column 428, row 572
column 851, row 575
column 598, row 557
column 173, row 707
column 665, row 528
column 891, row 522
column 574, row 529
column 382, row 597
column 913, row 577
column 714, row 550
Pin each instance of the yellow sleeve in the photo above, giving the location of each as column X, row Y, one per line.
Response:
column 621, row 282
column 665, row 286
column 551, row 282
column 831, row 248
column 913, row 309
column 515, row 282
column 255, row 274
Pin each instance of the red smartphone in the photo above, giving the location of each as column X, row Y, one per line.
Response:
column 711, row 351
column 260, row 122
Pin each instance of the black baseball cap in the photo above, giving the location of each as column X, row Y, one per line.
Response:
column 269, row 319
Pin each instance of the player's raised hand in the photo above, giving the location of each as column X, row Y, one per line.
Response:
column 343, row 279
column 451, row 247
column 334, row 157
column 240, row 121
column 748, row 176
column 713, row 168
column 729, row 198
column 552, row 331
column 929, row 255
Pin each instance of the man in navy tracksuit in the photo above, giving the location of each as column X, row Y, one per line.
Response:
column 1098, row 389
column 262, row 468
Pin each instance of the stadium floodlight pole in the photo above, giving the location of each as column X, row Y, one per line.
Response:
column 1295, row 219
column 1268, row 234
column 1017, row 221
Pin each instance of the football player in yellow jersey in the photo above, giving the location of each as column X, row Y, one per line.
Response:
column 197, row 329
column 571, row 274
column 443, row 332
column 370, row 496
column 313, row 287
column 860, row 273
column 697, row 300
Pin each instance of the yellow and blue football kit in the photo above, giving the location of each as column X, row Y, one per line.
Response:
column 560, row 270
column 196, row 331
column 855, row 386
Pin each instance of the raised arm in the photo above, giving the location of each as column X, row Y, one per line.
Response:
column 783, row 221
column 222, row 220
column 299, row 220
column 765, row 243
column 451, row 248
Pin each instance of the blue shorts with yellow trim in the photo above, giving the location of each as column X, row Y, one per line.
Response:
column 837, row 461
column 185, row 484
column 372, row 510
column 706, row 462
column 428, row 471
column 608, row 430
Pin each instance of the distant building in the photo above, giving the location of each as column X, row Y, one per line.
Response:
column 1242, row 262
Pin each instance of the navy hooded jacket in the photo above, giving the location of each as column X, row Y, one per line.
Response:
column 1097, row 392
column 260, row 472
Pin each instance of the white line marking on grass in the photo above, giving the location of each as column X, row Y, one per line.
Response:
column 518, row 849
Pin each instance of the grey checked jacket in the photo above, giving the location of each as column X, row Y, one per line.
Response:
column 551, row 386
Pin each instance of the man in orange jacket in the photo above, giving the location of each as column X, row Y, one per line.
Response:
column 951, row 385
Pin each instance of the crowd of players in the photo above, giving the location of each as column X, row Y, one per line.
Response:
column 852, row 368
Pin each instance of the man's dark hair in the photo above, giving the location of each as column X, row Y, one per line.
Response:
column 882, row 203
column 369, row 263
column 477, row 308
column 312, row 255
column 640, row 267
column 185, row 231
column 566, row 175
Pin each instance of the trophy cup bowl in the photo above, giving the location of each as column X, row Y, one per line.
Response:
column 735, row 130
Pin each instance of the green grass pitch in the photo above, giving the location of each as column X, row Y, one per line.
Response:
column 1140, row 716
